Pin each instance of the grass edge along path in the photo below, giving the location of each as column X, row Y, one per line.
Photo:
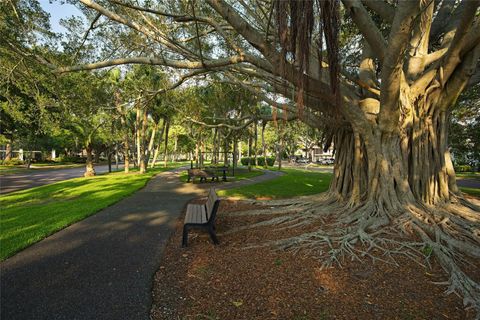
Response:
column 31, row 215
column 294, row 183
column 240, row 174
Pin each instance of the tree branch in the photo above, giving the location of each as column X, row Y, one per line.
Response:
column 382, row 8
column 181, row 64
column 367, row 27
column 392, row 72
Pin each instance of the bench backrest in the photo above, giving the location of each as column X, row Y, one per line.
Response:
column 196, row 172
column 212, row 204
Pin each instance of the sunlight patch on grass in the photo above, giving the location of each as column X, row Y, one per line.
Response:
column 294, row 183
column 30, row 215
column 471, row 191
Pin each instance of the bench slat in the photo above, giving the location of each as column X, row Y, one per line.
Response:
column 202, row 216
column 195, row 214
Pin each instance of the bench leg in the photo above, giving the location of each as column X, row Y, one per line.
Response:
column 185, row 237
column 211, row 231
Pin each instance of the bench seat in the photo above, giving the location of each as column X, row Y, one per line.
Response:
column 196, row 213
column 202, row 216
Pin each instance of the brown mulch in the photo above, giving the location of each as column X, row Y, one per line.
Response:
column 228, row 281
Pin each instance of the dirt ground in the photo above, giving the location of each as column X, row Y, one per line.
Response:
column 233, row 281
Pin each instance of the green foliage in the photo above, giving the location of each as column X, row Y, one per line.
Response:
column 72, row 159
column 464, row 137
column 463, row 168
column 427, row 251
column 261, row 161
column 13, row 162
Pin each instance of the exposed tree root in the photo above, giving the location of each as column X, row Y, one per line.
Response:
column 450, row 233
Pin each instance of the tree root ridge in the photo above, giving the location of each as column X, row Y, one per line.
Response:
column 450, row 233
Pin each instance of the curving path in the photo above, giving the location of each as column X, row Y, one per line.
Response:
column 101, row 267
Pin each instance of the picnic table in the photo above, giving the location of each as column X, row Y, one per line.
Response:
column 223, row 169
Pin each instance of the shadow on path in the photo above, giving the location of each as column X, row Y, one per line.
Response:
column 101, row 267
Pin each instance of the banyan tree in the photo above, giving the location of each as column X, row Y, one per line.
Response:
column 379, row 77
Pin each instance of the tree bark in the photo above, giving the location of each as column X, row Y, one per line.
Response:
column 8, row 152
column 142, row 158
column 264, row 146
column 255, row 143
column 157, row 148
column 151, row 142
column 249, row 153
column 411, row 164
column 89, row 169
column 137, row 133
column 167, row 129
column 124, row 129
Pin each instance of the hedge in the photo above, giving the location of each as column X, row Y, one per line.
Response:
column 463, row 168
column 261, row 161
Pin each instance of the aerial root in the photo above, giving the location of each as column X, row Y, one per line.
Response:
column 450, row 233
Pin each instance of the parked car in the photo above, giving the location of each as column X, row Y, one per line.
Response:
column 326, row 161
column 303, row 161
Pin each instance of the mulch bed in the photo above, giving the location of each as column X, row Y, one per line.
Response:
column 228, row 281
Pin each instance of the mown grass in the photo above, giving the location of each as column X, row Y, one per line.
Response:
column 471, row 191
column 11, row 170
column 293, row 183
column 240, row 174
column 30, row 215
column 470, row 175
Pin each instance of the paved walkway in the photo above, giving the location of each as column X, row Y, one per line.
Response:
column 101, row 267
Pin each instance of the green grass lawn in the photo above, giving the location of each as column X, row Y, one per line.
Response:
column 4, row 170
column 471, row 191
column 469, row 175
column 240, row 174
column 292, row 184
column 11, row 170
column 30, row 215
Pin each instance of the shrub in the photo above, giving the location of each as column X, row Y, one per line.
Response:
column 261, row 161
column 463, row 168
column 13, row 162
column 72, row 159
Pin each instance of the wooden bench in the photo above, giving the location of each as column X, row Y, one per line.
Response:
column 203, row 174
column 202, row 216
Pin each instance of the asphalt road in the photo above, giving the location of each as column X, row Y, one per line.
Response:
column 40, row 177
